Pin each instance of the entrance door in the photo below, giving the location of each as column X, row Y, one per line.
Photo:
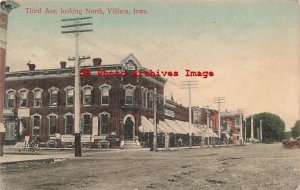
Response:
column 128, row 129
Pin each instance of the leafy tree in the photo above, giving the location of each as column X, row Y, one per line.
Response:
column 272, row 127
column 296, row 129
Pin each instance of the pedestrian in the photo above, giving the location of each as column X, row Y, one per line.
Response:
column 179, row 144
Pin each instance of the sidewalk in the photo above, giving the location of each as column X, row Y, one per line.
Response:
column 10, row 158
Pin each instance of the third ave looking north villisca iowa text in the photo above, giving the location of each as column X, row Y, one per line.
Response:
column 188, row 73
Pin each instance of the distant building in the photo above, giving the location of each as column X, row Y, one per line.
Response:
column 231, row 125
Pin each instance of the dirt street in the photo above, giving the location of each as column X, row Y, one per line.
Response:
column 240, row 167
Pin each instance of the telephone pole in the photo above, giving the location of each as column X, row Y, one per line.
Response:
column 260, row 126
column 155, row 148
column 189, row 85
column 219, row 100
column 76, row 29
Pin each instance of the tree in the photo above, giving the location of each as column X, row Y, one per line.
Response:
column 272, row 127
column 296, row 129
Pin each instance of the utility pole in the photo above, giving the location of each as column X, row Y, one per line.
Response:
column 155, row 148
column 251, row 128
column 5, row 8
column 207, row 121
column 240, row 111
column 219, row 100
column 189, row 85
column 245, row 136
column 76, row 30
column 260, row 126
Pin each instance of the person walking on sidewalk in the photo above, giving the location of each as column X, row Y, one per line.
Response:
column 179, row 144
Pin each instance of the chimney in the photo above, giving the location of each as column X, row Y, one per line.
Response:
column 97, row 61
column 63, row 64
column 6, row 69
column 31, row 66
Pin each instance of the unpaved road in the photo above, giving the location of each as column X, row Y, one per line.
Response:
column 241, row 167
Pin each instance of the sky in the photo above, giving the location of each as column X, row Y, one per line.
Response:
column 252, row 46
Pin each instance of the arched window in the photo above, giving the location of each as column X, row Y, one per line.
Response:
column 144, row 97
column 52, row 124
column 37, row 97
column 69, row 121
column 86, row 124
column 36, row 124
column 87, row 95
column 129, row 92
column 10, row 98
column 104, row 123
column 150, row 99
column 104, row 94
column 53, row 96
column 23, row 97
column 69, row 95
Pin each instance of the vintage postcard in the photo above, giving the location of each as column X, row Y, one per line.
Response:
column 134, row 95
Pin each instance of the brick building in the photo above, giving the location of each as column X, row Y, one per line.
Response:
column 231, row 125
column 41, row 102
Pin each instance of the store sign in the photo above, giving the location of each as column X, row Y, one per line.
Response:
column 169, row 113
column 23, row 112
column 8, row 112
column 68, row 138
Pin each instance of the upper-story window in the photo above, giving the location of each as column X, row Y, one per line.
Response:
column 53, row 96
column 10, row 98
column 150, row 99
column 36, row 124
column 87, row 95
column 23, row 97
column 237, row 121
column 69, row 95
column 37, row 97
column 104, row 94
column 144, row 97
column 129, row 91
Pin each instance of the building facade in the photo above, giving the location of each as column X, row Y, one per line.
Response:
column 113, row 100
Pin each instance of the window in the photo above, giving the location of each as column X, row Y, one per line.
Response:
column 86, row 124
column 104, row 123
column 237, row 121
column 37, row 98
column 196, row 117
column 129, row 96
column 150, row 100
column 10, row 99
column 104, row 94
column 144, row 97
column 23, row 98
column 129, row 91
column 69, row 96
column 87, row 95
column 68, row 124
column 52, row 124
column 53, row 96
column 36, row 123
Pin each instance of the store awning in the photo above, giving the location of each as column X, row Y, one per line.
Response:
column 207, row 132
column 146, row 126
column 165, row 127
column 176, row 128
column 189, row 128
